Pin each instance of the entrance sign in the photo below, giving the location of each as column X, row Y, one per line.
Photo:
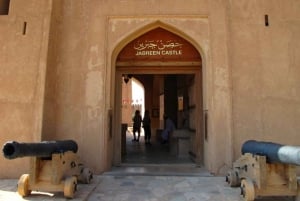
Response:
column 159, row 45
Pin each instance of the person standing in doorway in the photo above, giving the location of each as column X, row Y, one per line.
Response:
column 169, row 128
column 147, row 127
column 137, row 122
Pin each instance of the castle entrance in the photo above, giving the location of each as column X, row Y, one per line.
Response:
column 170, row 70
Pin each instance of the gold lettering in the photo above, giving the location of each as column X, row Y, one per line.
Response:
column 147, row 53
column 162, row 52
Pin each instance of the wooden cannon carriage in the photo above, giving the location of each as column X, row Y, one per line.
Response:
column 266, row 169
column 54, row 166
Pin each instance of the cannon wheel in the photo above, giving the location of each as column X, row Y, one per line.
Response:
column 232, row 178
column 297, row 197
column 70, row 187
column 23, row 185
column 86, row 176
column 247, row 190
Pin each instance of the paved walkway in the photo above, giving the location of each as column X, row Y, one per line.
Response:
column 163, row 188
column 139, row 188
column 136, row 188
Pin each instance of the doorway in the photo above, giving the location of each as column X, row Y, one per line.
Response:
column 163, row 94
column 170, row 69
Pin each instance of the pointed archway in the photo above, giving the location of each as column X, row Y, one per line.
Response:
column 162, row 52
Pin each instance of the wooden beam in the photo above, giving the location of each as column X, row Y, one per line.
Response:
column 158, row 63
column 159, row 69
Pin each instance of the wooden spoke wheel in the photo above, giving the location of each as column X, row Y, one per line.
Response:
column 297, row 197
column 247, row 190
column 70, row 187
column 23, row 185
column 86, row 176
column 232, row 178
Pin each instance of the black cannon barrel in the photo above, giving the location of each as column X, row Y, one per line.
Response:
column 13, row 149
column 274, row 152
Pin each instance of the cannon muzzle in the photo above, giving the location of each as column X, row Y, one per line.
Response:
column 274, row 152
column 12, row 149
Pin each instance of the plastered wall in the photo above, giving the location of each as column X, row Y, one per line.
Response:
column 265, row 71
column 250, row 73
column 23, row 53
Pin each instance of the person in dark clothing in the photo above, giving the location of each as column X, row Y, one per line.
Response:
column 147, row 127
column 137, row 122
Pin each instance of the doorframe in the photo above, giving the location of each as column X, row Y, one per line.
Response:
column 197, row 72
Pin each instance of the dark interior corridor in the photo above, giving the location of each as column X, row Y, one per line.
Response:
column 156, row 153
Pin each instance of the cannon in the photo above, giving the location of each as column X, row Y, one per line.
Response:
column 266, row 169
column 54, row 166
column 274, row 152
column 13, row 149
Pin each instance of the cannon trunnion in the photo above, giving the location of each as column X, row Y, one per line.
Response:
column 54, row 166
column 264, row 172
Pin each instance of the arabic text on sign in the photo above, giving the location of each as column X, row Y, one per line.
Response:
column 156, row 45
column 153, row 48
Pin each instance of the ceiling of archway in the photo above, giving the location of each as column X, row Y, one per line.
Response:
column 159, row 45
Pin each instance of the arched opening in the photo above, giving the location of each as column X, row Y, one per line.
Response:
column 170, row 68
column 133, row 98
